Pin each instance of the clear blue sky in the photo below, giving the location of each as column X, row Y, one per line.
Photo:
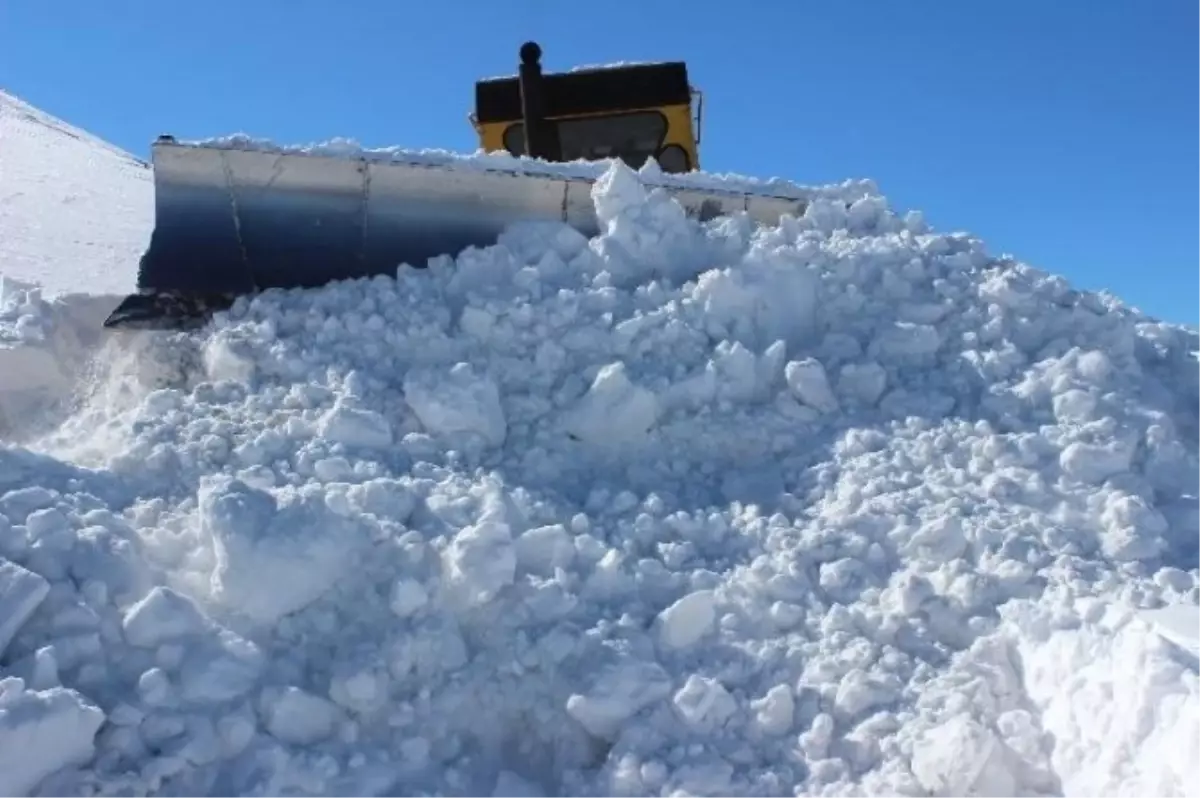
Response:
column 1061, row 131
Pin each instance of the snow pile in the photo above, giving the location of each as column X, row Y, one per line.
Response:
column 843, row 505
column 45, row 343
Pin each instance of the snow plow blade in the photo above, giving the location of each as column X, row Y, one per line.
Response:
column 232, row 220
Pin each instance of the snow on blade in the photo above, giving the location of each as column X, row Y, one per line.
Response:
column 839, row 506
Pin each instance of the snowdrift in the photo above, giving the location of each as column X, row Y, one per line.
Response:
column 840, row 506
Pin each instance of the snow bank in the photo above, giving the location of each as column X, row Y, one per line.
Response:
column 689, row 508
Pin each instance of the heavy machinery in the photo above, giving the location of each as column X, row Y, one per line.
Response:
column 234, row 217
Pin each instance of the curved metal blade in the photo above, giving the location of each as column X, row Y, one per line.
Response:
column 233, row 220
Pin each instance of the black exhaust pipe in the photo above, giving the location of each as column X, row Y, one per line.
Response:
column 541, row 135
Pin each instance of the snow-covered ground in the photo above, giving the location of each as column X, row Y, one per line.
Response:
column 73, row 209
column 842, row 506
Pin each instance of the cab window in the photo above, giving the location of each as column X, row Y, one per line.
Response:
column 631, row 137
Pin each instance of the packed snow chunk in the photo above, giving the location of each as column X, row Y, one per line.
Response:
column 408, row 596
column 940, row 539
column 810, row 384
column 354, row 426
column 646, row 230
column 480, row 561
column 862, row 382
column 511, row 785
column 1074, row 405
column 619, row 191
column 1178, row 623
column 21, row 592
column 388, row 499
column 775, row 712
column 295, row 717
column 687, row 620
column 41, row 732
column 704, row 703
column 826, row 214
column 457, row 404
column 1132, row 529
column 737, row 372
column 161, row 616
column 220, row 668
column 770, row 297
column 961, row 757
column 39, row 670
column 1094, row 463
column 542, row 549
column 360, row 687
column 905, row 339
column 273, row 559
column 621, row 690
column 614, row 411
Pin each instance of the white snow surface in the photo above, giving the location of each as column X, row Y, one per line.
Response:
column 842, row 506
column 75, row 212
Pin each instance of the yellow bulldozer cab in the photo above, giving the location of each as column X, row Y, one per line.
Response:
column 233, row 217
column 627, row 111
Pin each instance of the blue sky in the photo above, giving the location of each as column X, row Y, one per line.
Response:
column 1061, row 131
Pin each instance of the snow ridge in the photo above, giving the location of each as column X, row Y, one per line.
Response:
column 839, row 506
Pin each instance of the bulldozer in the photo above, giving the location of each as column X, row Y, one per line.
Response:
column 235, row 217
